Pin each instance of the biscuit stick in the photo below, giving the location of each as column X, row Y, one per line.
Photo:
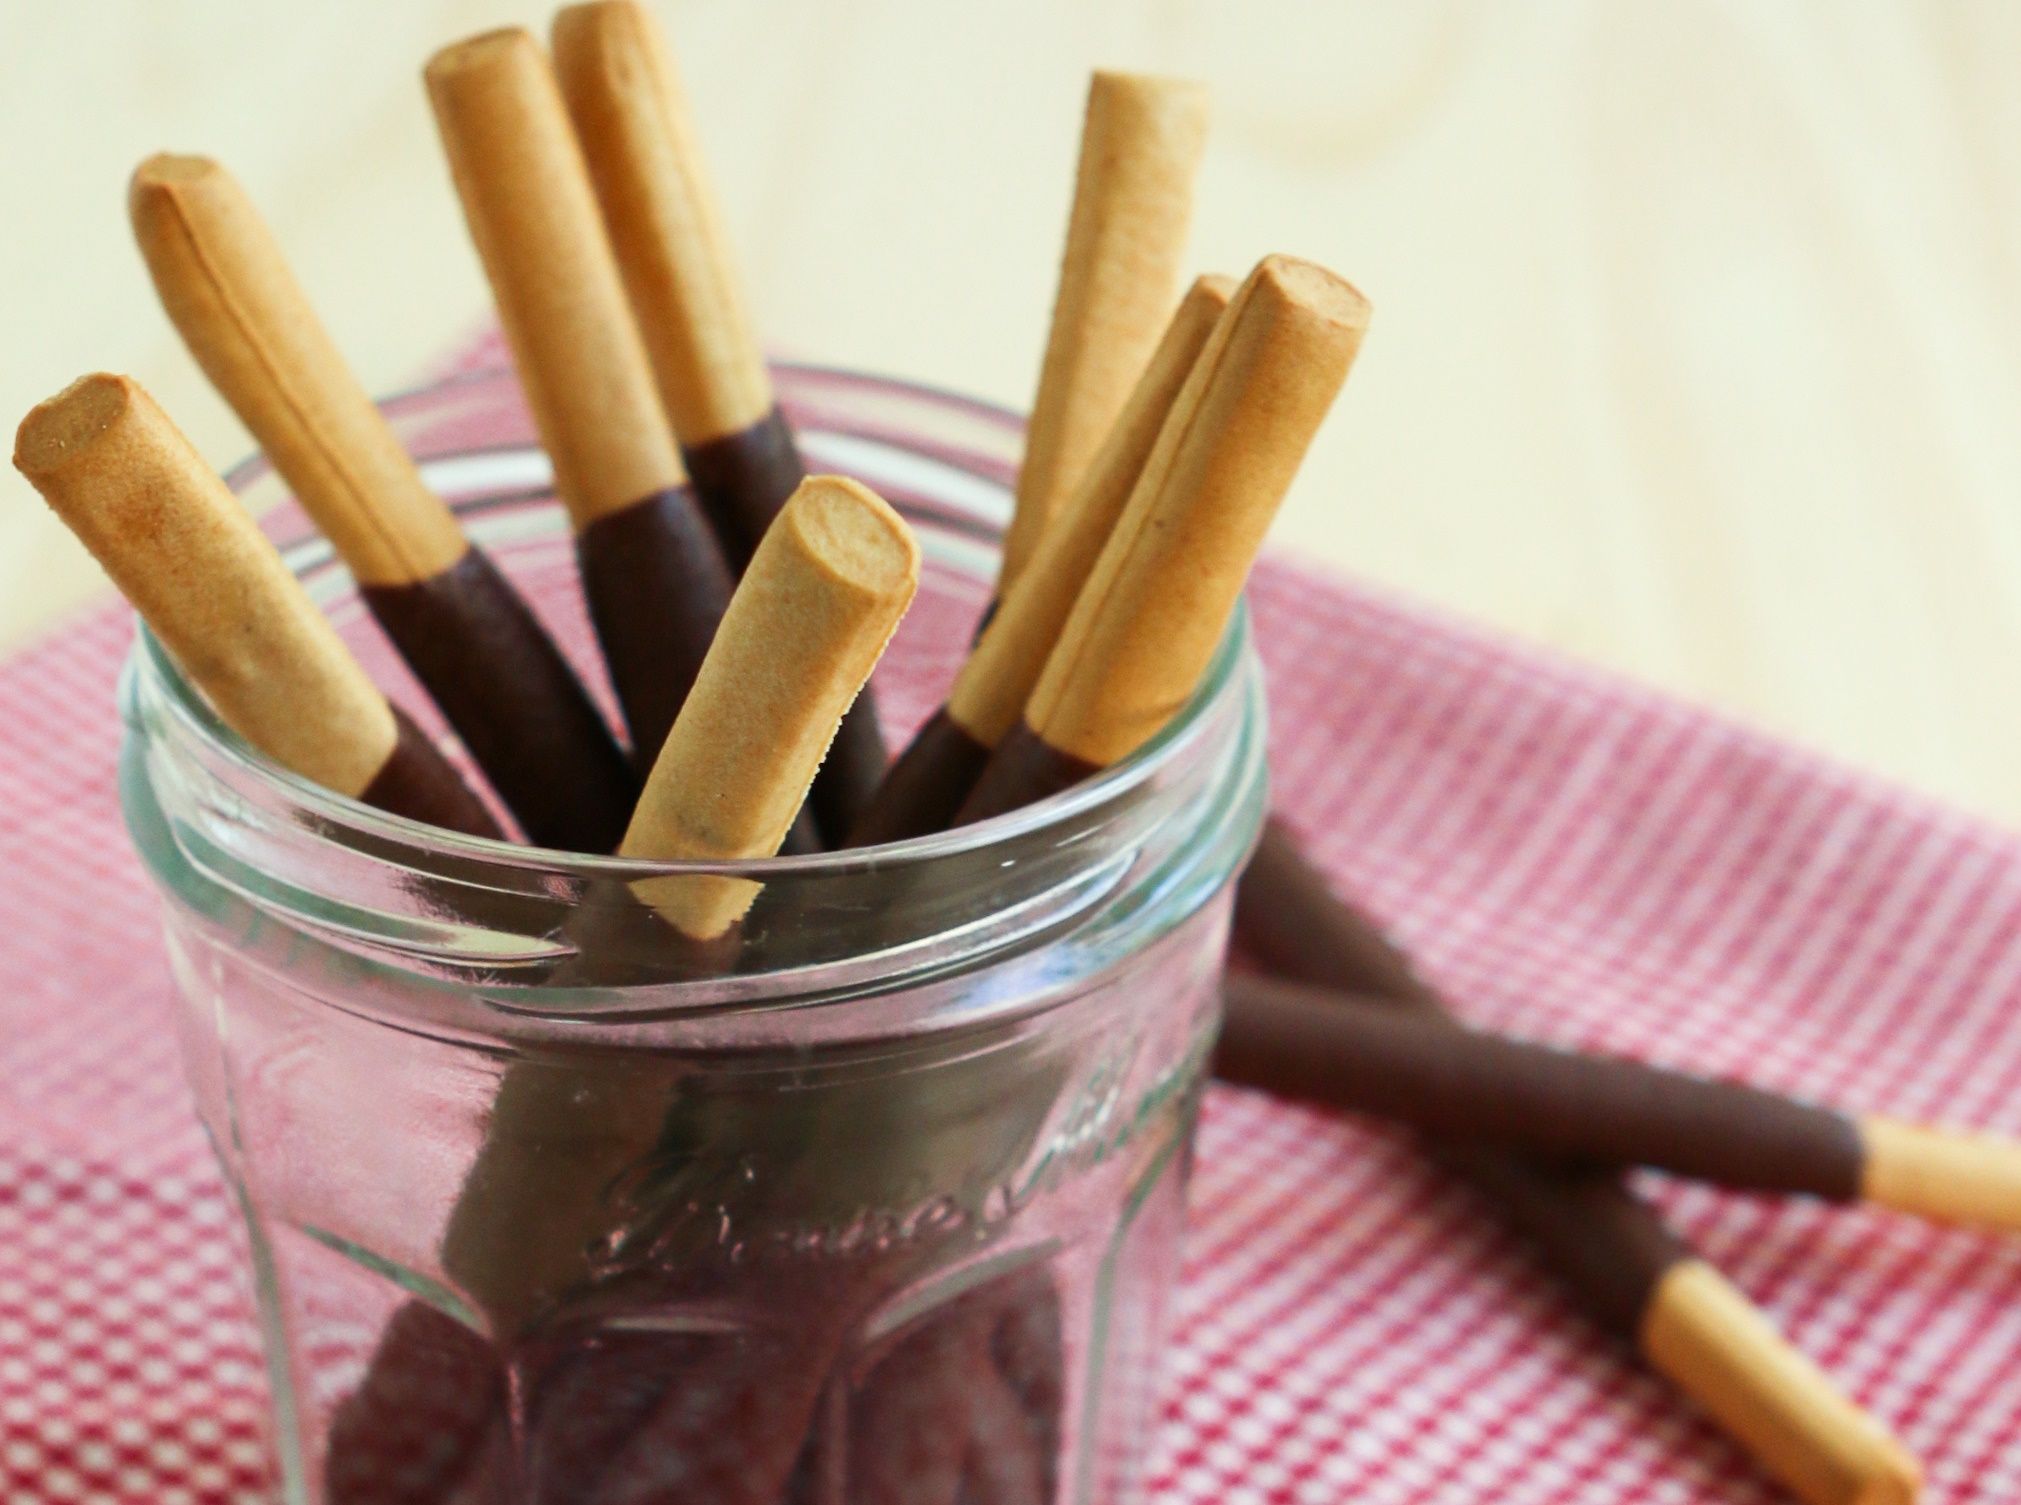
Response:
column 935, row 773
column 217, row 594
column 618, row 78
column 1159, row 598
column 1354, row 1051
column 654, row 576
column 469, row 637
column 1141, row 144
column 822, row 597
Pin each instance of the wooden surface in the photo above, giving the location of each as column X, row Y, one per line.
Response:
column 1697, row 346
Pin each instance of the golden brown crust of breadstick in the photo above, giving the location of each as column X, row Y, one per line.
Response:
column 527, row 199
column 1719, row 1349
column 228, row 289
column 1141, row 146
column 990, row 692
column 617, row 74
column 210, row 584
column 1943, row 1174
column 1155, row 605
column 810, row 618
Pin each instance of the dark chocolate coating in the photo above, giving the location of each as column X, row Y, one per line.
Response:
column 921, row 792
column 657, row 584
column 415, row 1430
column 1352, row 1051
column 1022, row 771
column 504, row 686
column 850, row 773
column 417, row 781
column 741, row 481
column 1608, row 1247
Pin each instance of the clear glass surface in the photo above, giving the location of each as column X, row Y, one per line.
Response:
column 889, row 1213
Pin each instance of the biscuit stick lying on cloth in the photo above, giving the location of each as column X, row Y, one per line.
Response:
column 617, row 76
column 1141, row 144
column 931, row 778
column 1359, row 1052
column 469, row 637
column 216, row 593
column 653, row 574
column 1613, row 1253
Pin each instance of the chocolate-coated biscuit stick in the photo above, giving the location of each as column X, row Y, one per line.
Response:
column 802, row 634
column 653, row 573
column 1223, row 457
column 931, row 778
column 1153, row 609
column 467, row 634
column 804, row 630
column 216, row 593
column 1356, row 1051
column 618, row 78
column 1610, row 1249
column 1141, row 144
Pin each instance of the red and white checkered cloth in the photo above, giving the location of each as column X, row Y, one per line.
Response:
column 1577, row 859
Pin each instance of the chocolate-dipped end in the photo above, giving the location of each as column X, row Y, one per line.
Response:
column 1357, row 1052
column 416, row 1428
column 657, row 586
column 925, row 787
column 649, row 1415
column 1288, row 918
column 500, row 681
column 1023, row 771
column 622, row 92
column 224, row 604
column 1612, row 1253
column 742, row 479
column 546, row 1192
column 1607, row 1248
column 481, row 653
column 855, row 766
column 1028, row 1347
column 1141, row 143
column 417, row 781
column 933, row 1418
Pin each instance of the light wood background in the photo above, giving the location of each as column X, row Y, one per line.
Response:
column 1697, row 346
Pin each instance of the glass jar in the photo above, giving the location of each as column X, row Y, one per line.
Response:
column 889, row 1213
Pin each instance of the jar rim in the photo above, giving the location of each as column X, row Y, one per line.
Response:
column 340, row 818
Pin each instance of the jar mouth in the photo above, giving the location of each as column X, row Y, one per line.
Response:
column 244, row 843
column 341, row 815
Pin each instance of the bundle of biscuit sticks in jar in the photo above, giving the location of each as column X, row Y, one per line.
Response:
column 740, row 606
